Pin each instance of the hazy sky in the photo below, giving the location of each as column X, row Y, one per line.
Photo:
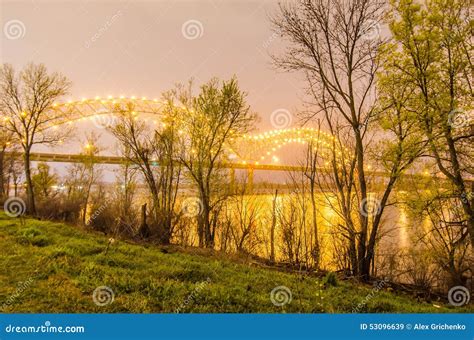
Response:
column 143, row 48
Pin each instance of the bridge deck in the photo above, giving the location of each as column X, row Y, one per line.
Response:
column 74, row 158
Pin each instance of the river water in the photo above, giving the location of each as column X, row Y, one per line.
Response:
column 294, row 231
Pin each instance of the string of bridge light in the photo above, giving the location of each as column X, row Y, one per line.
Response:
column 277, row 138
column 111, row 99
column 281, row 137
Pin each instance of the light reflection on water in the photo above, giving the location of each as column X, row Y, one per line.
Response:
column 397, row 228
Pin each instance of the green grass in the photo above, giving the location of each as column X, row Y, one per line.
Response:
column 53, row 267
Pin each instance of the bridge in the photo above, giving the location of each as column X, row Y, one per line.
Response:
column 232, row 166
column 250, row 153
column 117, row 160
column 252, row 148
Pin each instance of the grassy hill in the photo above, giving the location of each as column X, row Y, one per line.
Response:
column 53, row 267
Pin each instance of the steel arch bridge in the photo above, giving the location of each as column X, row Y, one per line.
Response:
column 254, row 150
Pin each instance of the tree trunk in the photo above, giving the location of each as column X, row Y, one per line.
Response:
column 3, row 190
column 144, row 230
column 30, row 195
column 272, row 230
column 363, row 269
column 316, row 250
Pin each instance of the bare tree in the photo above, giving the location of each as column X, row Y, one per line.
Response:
column 26, row 101
column 125, row 195
column 7, row 143
column 311, row 173
column 244, row 214
column 211, row 121
column 154, row 154
column 336, row 45
column 83, row 176
column 329, row 44
column 91, row 169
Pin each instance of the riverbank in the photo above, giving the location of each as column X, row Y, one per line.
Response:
column 53, row 267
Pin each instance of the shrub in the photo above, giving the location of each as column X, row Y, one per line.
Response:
column 330, row 279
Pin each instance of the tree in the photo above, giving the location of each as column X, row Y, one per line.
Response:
column 311, row 173
column 26, row 101
column 211, row 121
column 154, row 153
column 336, row 45
column 442, row 239
column 82, row 176
column 243, row 213
column 125, row 196
column 6, row 143
column 431, row 53
column 43, row 180
column 89, row 168
column 329, row 43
